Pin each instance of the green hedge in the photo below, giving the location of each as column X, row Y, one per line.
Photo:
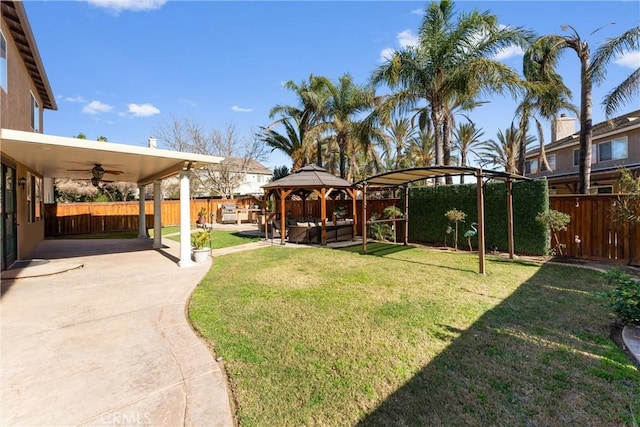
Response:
column 427, row 223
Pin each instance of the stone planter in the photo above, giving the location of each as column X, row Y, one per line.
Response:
column 201, row 255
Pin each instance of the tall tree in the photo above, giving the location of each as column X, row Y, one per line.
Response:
column 452, row 63
column 547, row 50
column 398, row 133
column 504, row 151
column 292, row 141
column 240, row 153
column 421, row 149
column 628, row 89
column 310, row 111
column 466, row 138
column 346, row 102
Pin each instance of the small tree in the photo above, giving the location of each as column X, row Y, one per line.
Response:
column 554, row 221
column 392, row 212
column 455, row 216
column 627, row 207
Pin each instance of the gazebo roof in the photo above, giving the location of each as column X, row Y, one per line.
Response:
column 310, row 176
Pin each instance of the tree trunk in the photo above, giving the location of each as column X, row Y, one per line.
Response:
column 446, row 144
column 522, row 149
column 436, row 118
column 585, row 122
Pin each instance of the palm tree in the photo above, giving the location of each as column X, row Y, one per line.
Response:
column 291, row 142
column 466, row 138
column 346, row 101
column 546, row 51
column 313, row 96
column 398, row 133
column 504, row 151
column 546, row 96
column 421, row 149
column 625, row 91
column 451, row 64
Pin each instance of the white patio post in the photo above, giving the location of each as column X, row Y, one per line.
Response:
column 185, row 221
column 157, row 215
column 142, row 224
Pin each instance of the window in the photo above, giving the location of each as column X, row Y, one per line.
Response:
column 35, row 114
column 601, row 189
column 3, row 62
column 612, row 150
column 531, row 167
column 576, row 155
column 551, row 159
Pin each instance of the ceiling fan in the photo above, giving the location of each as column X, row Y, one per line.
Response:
column 97, row 172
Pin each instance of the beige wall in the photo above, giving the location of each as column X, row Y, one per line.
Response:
column 15, row 113
column 15, row 104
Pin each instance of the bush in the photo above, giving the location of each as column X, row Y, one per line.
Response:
column 428, row 205
column 624, row 299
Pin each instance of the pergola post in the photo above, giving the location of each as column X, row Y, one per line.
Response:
column 142, row 223
column 265, row 217
column 157, row 215
column 510, row 217
column 406, row 214
column 364, row 218
column 481, row 254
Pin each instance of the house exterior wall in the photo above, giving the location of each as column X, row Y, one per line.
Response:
column 15, row 108
column 563, row 179
column 16, row 101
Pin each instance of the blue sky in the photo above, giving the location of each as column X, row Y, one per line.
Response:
column 123, row 68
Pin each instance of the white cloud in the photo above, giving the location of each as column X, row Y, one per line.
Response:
column 75, row 99
column 241, row 110
column 417, row 12
column 386, row 54
column 97, row 107
column 142, row 110
column 118, row 6
column 407, row 38
column 629, row 59
column 508, row 52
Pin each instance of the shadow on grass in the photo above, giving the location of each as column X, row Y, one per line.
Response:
column 386, row 249
column 543, row 356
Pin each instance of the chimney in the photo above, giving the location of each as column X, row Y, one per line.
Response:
column 562, row 127
column 153, row 143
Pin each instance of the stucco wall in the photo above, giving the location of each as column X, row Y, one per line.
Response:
column 16, row 102
column 29, row 234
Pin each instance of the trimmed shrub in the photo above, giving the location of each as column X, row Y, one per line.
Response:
column 428, row 205
column 624, row 299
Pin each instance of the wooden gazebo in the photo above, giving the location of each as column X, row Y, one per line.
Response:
column 311, row 179
column 403, row 177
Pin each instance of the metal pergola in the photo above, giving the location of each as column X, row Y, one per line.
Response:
column 404, row 177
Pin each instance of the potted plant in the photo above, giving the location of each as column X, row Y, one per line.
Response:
column 200, row 245
column 202, row 216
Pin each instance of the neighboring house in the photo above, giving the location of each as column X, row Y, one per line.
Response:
column 234, row 176
column 24, row 94
column 615, row 143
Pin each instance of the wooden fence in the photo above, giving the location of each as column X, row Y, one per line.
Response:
column 600, row 236
column 82, row 218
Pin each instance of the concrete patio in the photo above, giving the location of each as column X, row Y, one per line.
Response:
column 106, row 342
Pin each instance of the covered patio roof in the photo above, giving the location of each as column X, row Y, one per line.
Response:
column 61, row 157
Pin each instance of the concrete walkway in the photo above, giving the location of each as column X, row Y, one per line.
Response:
column 107, row 343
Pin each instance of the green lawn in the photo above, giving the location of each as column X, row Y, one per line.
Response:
column 225, row 239
column 412, row 337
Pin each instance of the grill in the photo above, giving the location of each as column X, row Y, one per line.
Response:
column 229, row 214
